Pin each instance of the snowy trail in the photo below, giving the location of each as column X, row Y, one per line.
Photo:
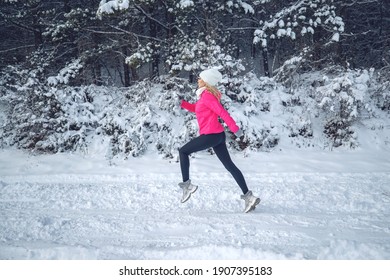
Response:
column 303, row 215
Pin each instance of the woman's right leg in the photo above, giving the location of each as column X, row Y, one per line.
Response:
column 223, row 155
column 197, row 144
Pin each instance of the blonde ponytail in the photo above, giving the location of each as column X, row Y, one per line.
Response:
column 214, row 91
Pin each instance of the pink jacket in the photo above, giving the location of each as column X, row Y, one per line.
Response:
column 207, row 110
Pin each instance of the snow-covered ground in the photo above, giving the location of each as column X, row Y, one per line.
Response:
column 315, row 205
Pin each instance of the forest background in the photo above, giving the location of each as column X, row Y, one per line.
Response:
column 80, row 74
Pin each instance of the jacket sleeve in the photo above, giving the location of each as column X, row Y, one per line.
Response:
column 188, row 106
column 217, row 108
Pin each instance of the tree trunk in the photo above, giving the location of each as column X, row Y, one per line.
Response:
column 265, row 62
column 126, row 69
column 155, row 56
column 67, row 8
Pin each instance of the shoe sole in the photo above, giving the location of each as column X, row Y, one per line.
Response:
column 194, row 190
column 253, row 207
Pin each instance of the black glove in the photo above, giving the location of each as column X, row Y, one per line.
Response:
column 239, row 134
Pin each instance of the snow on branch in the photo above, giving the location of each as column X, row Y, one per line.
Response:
column 301, row 18
column 68, row 72
column 186, row 4
column 109, row 7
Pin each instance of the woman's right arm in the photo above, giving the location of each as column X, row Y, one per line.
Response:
column 188, row 106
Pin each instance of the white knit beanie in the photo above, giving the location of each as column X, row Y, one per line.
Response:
column 211, row 76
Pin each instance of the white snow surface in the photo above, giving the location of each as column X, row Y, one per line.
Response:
column 315, row 205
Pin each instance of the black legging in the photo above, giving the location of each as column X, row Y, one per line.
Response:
column 218, row 143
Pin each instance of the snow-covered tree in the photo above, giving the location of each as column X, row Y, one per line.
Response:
column 185, row 36
column 367, row 33
column 295, row 25
column 33, row 113
column 59, row 61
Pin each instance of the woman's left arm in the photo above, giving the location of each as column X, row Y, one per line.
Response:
column 213, row 104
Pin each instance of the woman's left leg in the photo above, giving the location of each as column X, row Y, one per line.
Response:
column 197, row 144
